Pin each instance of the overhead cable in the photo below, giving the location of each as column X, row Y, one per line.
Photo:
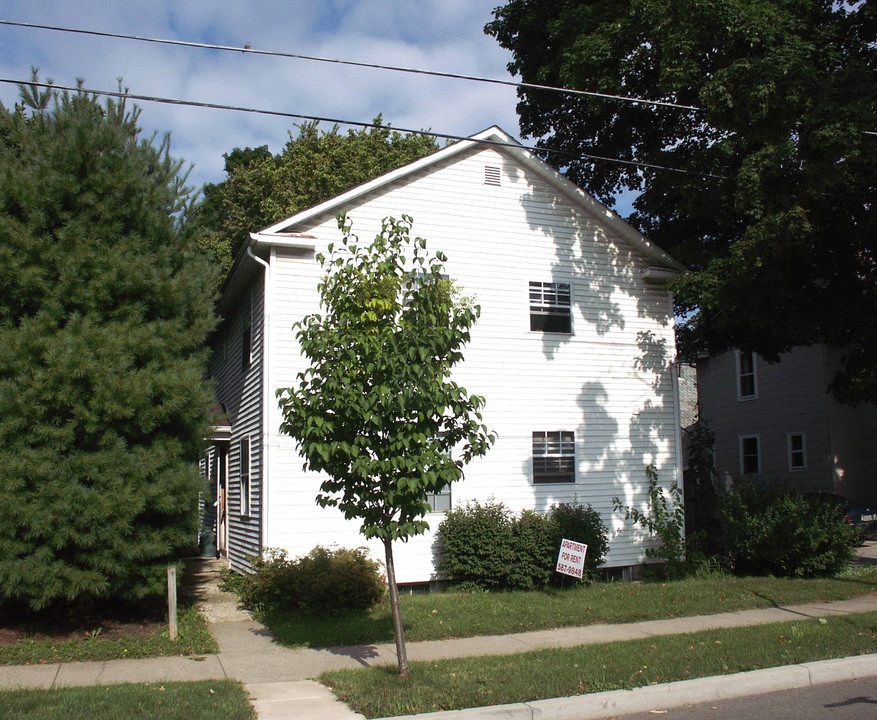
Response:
column 434, row 73
column 354, row 123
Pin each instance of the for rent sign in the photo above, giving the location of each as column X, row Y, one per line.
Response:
column 571, row 560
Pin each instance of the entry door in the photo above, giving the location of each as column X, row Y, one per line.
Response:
column 221, row 475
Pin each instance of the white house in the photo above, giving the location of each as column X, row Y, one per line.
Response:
column 574, row 351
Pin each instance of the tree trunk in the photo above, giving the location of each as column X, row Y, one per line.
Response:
column 398, row 631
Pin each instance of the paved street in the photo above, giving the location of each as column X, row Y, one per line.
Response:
column 851, row 700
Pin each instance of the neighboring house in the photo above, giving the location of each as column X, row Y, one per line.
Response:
column 778, row 422
column 573, row 351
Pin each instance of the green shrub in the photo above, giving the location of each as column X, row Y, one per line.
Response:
column 486, row 547
column 583, row 524
column 767, row 531
column 476, row 545
column 534, row 551
column 321, row 581
column 664, row 519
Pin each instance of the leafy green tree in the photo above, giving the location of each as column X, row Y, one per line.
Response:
column 777, row 219
column 104, row 312
column 261, row 188
column 377, row 411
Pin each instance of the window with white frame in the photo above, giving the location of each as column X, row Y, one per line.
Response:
column 554, row 456
column 750, row 455
column 550, row 307
column 747, row 385
column 797, row 451
column 245, row 469
column 439, row 501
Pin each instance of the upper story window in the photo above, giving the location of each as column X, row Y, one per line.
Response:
column 797, row 452
column 554, row 456
column 750, row 455
column 747, row 385
column 550, row 307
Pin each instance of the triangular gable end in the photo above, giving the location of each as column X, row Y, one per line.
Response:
column 279, row 233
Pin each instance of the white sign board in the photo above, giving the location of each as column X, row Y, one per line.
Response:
column 571, row 559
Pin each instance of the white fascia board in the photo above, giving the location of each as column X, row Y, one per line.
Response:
column 339, row 201
column 597, row 210
column 504, row 143
column 659, row 274
column 291, row 240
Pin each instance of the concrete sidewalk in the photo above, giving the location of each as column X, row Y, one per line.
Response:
column 277, row 677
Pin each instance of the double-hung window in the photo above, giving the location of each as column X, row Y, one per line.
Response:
column 750, row 455
column 550, row 307
column 554, row 456
column 747, row 385
column 797, row 452
column 439, row 501
column 245, row 468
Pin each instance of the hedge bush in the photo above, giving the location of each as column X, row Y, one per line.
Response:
column 484, row 546
column 323, row 580
column 768, row 531
column 583, row 524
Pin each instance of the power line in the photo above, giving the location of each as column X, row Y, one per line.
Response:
column 354, row 123
column 354, row 63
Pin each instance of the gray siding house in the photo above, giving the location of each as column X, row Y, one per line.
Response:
column 592, row 391
column 778, row 422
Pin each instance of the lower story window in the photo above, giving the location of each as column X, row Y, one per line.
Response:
column 245, row 475
column 554, row 456
column 750, row 455
column 797, row 454
column 439, row 501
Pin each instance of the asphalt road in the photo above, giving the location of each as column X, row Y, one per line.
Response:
column 851, row 700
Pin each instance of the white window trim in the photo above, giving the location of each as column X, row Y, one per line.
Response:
column 740, row 396
column 574, row 456
column 245, row 508
column 803, row 467
column 569, row 307
column 741, row 438
column 431, row 497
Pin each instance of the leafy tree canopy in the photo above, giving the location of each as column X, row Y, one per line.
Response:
column 104, row 312
column 377, row 410
column 261, row 188
column 782, row 243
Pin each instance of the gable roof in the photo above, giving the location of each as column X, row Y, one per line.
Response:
column 280, row 233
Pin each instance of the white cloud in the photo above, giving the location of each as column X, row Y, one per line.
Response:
column 441, row 35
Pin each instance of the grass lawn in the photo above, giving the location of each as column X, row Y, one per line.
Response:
column 440, row 616
column 496, row 680
column 208, row 700
column 193, row 639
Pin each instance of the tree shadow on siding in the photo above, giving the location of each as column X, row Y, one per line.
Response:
column 626, row 397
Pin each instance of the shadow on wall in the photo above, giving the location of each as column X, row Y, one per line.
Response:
column 610, row 298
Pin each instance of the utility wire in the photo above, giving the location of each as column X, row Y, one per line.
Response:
column 394, row 68
column 354, row 123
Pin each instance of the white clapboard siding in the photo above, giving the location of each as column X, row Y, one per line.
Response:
column 239, row 390
column 610, row 381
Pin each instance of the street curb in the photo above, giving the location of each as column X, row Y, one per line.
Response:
column 669, row 695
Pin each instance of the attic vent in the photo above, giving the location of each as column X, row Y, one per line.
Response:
column 491, row 175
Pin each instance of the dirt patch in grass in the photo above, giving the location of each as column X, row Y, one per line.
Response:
column 65, row 624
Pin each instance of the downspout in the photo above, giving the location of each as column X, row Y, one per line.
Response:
column 677, row 402
column 266, row 316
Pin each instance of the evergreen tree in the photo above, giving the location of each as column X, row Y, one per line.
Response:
column 104, row 313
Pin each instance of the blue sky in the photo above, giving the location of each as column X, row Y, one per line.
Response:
column 442, row 35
